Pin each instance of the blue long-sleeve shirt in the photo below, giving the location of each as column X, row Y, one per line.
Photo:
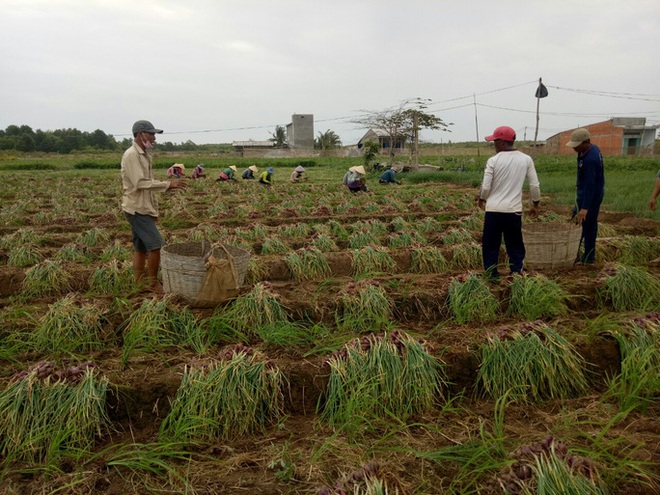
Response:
column 590, row 179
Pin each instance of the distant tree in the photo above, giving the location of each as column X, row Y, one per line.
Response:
column 279, row 137
column 327, row 140
column 100, row 140
column 25, row 143
column 405, row 120
column 13, row 130
column 371, row 150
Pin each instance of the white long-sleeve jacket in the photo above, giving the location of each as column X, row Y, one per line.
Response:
column 503, row 182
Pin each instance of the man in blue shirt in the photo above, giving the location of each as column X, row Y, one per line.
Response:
column 590, row 187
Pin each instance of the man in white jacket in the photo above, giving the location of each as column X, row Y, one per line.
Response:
column 501, row 197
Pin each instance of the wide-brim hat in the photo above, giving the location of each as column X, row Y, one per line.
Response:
column 201, row 165
column 270, row 170
column 233, row 167
column 578, row 136
column 299, row 168
column 253, row 168
column 180, row 165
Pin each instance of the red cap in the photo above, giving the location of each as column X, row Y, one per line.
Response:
column 504, row 133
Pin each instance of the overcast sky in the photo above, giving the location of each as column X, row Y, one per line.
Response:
column 222, row 70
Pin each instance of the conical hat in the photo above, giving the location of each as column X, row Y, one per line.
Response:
column 180, row 165
column 233, row 167
column 359, row 169
column 253, row 168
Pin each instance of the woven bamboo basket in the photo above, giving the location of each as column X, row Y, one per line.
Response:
column 552, row 246
column 183, row 266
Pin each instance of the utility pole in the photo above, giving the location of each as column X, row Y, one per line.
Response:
column 476, row 121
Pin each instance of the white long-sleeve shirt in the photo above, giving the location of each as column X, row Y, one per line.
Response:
column 503, row 182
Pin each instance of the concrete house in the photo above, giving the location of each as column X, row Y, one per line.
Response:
column 383, row 138
column 618, row 136
column 300, row 132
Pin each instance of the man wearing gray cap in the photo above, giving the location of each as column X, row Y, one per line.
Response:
column 140, row 205
column 590, row 187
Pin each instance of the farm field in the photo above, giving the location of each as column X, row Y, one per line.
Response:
column 364, row 354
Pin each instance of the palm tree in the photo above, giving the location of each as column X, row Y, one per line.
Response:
column 327, row 140
column 279, row 137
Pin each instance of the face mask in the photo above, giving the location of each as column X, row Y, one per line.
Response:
column 147, row 144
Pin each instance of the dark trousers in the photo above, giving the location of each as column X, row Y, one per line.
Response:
column 496, row 226
column 589, row 234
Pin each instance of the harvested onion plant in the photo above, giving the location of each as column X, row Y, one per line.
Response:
column 70, row 325
column 361, row 239
column 466, row 256
column 235, row 395
column 24, row 256
column 637, row 385
column 274, row 245
column 370, row 260
column 46, row 413
column 255, row 272
column 399, row 224
column 75, row 253
column 295, row 231
column 636, row 250
column 253, row 310
column 364, row 307
column 531, row 364
column 470, row 300
column 46, row 278
column 116, row 251
column 404, row 239
column 324, row 243
column 114, row 277
column 381, row 377
column 457, row 236
column 548, row 468
column 156, row 324
column 308, row 264
column 368, row 480
column 428, row 259
column 93, row 237
column 338, row 230
column 534, row 297
column 629, row 288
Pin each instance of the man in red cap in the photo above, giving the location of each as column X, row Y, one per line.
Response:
column 501, row 197
column 140, row 205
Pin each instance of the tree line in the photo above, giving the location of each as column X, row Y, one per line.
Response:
column 66, row 141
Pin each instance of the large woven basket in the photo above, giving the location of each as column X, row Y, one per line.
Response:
column 183, row 266
column 552, row 246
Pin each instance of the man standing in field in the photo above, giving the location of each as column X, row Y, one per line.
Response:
column 501, row 197
column 590, row 187
column 140, row 205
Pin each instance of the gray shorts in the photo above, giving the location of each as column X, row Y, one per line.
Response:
column 145, row 233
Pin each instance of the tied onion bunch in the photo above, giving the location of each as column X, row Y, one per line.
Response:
column 386, row 376
column 235, row 394
column 46, row 412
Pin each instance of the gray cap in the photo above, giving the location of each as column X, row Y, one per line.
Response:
column 145, row 126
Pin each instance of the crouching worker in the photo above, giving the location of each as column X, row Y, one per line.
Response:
column 355, row 179
column 198, row 172
column 249, row 172
column 228, row 173
column 266, row 177
column 298, row 174
column 139, row 203
column 176, row 171
column 389, row 176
